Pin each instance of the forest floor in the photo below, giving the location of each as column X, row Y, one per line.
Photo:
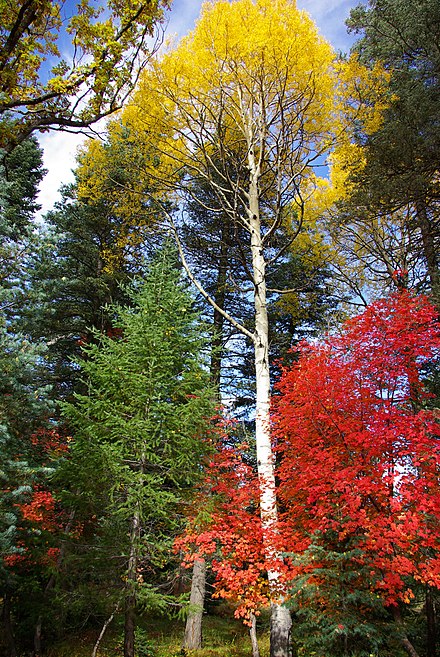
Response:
column 161, row 637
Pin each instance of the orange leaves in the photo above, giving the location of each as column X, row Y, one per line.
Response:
column 232, row 537
column 40, row 508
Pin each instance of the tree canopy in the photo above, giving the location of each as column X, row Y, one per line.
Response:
column 41, row 88
column 299, row 479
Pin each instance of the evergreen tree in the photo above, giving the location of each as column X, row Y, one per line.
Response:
column 24, row 406
column 88, row 251
column 391, row 219
column 20, row 174
column 140, row 433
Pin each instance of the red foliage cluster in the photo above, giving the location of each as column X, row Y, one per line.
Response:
column 39, row 519
column 228, row 530
column 50, row 441
column 357, row 457
column 357, row 453
column 39, row 509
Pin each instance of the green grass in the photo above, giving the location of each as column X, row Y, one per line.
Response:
column 223, row 636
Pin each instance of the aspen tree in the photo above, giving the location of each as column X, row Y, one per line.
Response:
column 249, row 103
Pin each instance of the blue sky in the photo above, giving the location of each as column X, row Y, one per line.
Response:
column 60, row 148
column 329, row 15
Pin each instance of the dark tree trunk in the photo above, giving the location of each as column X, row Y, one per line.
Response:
column 192, row 639
column 129, row 626
column 7, row 626
column 406, row 643
column 431, row 624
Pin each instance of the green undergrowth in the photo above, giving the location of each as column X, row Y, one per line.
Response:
column 162, row 637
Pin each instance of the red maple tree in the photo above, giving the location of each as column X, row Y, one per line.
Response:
column 357, row 456
column 358, row 453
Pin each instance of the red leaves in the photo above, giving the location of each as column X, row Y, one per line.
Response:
column 40, row 509
column 357, row 462
column 356, row 456
column 49, row 442
column 231, row 535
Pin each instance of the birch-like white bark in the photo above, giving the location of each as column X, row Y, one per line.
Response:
column 280, row 615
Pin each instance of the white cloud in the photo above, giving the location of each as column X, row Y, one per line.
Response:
column 59, row 151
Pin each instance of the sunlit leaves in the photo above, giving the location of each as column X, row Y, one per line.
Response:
column 358, row 454
column 108, row 50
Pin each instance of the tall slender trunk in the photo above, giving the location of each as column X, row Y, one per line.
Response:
column 192, row 639
column 280, row 616
column 7, row 625
column 130, row 597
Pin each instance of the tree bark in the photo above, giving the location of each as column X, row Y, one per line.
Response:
column 253, row 635
column 129, row 625
column 7, row 625
column 280, row 616
column 406, row 643
column 192, row 639
column 431, row 624
column 280, row 626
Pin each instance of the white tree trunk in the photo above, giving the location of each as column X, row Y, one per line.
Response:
column 280, row 615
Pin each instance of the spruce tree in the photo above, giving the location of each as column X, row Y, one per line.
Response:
column 139, row 434
column 24, row 405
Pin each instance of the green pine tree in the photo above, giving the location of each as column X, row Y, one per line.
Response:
column 24, row 404
column 139, row 434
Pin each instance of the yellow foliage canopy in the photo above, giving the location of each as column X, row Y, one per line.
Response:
column 253, row 83
column 250, row 75
column 254, row 77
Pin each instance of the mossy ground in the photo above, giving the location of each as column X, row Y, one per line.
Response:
column 223, row 636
